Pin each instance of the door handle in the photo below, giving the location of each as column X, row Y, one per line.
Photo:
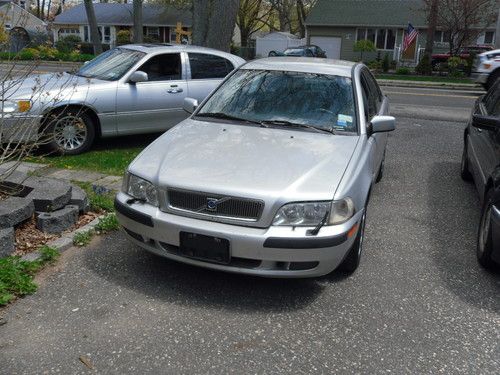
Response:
column 175, row 90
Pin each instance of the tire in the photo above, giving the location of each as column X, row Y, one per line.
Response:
column 353, row 257
column 484, row 236
column 494, row 76
column 272, row 54
column 69, row 132
column 380, row 173
column 464, row 165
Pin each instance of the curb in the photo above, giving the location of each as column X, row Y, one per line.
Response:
column 433, row 85
column 64, row 242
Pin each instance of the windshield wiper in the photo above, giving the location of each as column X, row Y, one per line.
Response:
column 297, row 125
column 225, row 116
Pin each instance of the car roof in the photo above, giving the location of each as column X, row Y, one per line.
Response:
column 303, row 64
column 166, row 47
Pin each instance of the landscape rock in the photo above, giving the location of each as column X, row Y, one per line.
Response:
column 15, row 210
column 57, row 221
column 48, row 194
column 79, row 198
column 7, row 242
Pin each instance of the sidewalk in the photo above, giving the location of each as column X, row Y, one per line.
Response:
column 95, row 178
column 434, row 85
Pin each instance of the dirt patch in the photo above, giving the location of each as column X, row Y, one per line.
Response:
column 29, row 238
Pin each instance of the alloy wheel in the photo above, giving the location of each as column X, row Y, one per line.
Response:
column 70, row 132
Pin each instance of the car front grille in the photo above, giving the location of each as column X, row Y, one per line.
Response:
column 215, row 205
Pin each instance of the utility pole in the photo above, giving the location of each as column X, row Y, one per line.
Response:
column 138, row 33
column 497, row 33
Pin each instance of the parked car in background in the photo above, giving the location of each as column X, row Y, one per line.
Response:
column 301, row 51
column 486, row 70
column 131, row 89
column 270, row 176
column 464, row 53
column 481, row 163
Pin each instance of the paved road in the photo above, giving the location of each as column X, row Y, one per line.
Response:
column 419, row 302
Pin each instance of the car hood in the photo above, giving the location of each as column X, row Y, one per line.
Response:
column 48, row 86
column 247, row 161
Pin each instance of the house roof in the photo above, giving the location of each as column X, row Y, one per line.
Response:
column 387, row 13
column 122, row 14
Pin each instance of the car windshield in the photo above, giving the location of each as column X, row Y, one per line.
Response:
column 281, row 98
column 111, row 65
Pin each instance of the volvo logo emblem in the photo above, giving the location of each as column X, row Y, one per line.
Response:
column 212, row 204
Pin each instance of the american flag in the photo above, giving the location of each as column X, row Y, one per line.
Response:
column 410, row 35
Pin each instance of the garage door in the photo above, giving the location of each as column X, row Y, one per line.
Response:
column 329, row 44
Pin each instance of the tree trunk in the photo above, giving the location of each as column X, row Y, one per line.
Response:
column 431, row 27
column 222, row 21
column 94, row 31
column 497, row 33
column 201, row 17
column 42, row 15
column 138, row 29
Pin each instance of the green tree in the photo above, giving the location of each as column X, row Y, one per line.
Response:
column 364, row 46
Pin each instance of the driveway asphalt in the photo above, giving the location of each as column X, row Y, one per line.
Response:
column 419, row 303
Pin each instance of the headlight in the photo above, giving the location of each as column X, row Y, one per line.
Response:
column 312, row 213
column 140, row 189
column 342, row 210
column 11, row 106
column 302, row 214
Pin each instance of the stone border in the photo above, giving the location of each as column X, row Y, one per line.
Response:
column 64, row 242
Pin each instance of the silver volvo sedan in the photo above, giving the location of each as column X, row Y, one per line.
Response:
column 132, row 89
column 270, row 176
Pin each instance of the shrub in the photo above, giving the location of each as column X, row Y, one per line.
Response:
column 123, row 37
column 404, row 71
column 424, row 66
column 68, row 43
column 386, row 63
column 374, row 65
column 455, row 63
column 47, row 52
column 29, row 54
column 88, row 48
column 364, row 46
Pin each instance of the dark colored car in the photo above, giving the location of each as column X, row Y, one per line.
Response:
column 481, row 163
column 463, row 53
column 304, row 51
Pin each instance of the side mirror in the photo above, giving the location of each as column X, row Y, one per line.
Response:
column 86, row 62
column 190, row 105
column 382, row 124
column 486, row 122
column 138, row 76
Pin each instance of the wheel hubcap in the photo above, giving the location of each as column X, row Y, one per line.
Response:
column 70, row 132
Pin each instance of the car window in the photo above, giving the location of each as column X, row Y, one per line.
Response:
column 310, row 99
column 166, row 67
column 111, row 65
column 375, row 88
column 492, row 100
column 205, row 66
column 370, row 98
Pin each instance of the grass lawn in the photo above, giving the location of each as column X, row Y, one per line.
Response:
column 416, row 78
column 108, row 156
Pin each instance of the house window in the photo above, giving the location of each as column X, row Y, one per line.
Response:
column 382, row 38
column 153, row 32
column 441, row 36
column 489, row 37
column 104, row 33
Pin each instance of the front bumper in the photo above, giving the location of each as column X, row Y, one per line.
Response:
column 269, row 252
column 495, row 232
column 19, row 128
column 478, row 77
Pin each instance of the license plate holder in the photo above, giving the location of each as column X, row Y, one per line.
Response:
column 206, row 248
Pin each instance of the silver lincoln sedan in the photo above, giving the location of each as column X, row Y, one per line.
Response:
column 270, row 176
column 132, row 89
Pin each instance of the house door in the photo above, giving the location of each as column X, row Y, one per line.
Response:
column 331, row 45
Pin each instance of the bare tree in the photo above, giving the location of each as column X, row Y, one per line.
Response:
column 94, row 30
column 253, row 16
column 138, row 29
column 463, row 20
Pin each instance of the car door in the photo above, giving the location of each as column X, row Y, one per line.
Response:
column 485, row 144
column 206, row 71
column 154, row 105
column 374, row 101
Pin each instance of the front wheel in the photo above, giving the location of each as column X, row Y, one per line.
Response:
column 351, row 261
column 70, row 132
column 485, row 235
